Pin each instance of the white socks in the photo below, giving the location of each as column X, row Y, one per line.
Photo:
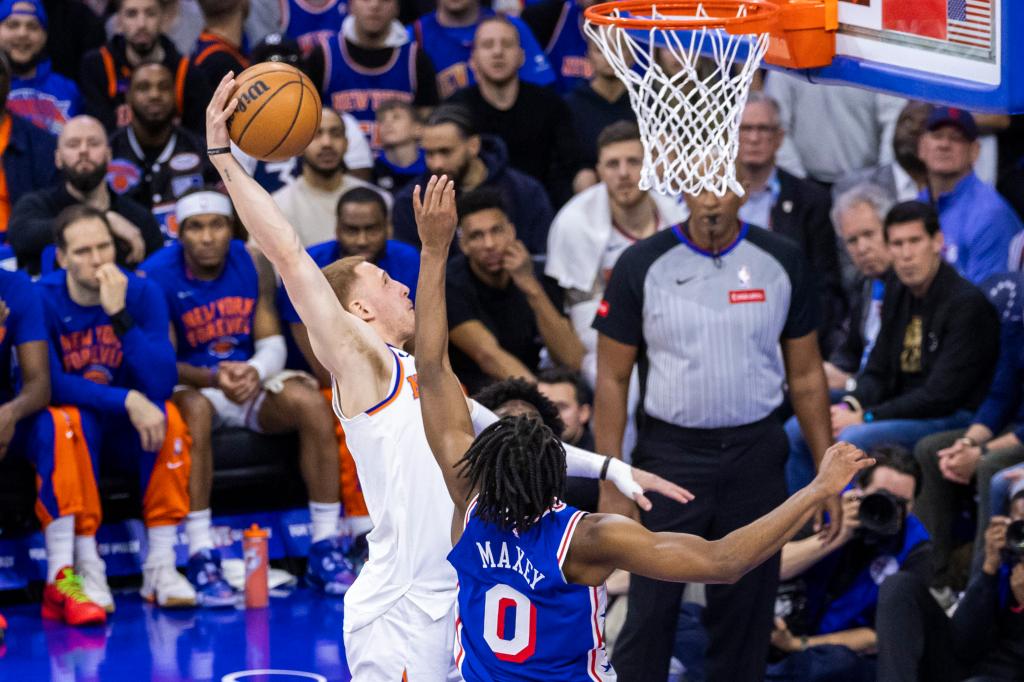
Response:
column 197, row 527
column 60, row 545
column 86, row 550
column 325, row 519
column 161, row 545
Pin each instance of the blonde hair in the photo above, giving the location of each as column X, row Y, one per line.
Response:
column 342, row 276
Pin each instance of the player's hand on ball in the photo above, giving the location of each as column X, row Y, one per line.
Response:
column 839, row 465
column 435, row 212
column 222, row 106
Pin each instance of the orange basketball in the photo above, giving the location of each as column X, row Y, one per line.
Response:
column 278, row 111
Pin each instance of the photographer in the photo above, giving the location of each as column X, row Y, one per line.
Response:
column 833, row 593
column 984, row 639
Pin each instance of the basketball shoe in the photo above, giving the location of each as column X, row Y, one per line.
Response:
column 94, row 583
column 65, row 600
column 328, row 570
column 164, row 586
column 203, row 571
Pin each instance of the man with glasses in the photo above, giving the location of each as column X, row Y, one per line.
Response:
column 500, row 312
column 794, row 208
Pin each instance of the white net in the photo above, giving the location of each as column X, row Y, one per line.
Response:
column 688, row 88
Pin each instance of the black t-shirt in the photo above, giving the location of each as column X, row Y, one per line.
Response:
column 537, row 130
column 504, row 312
column 592, row 113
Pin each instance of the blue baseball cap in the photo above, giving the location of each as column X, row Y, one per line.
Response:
column 948, row 116
column 28, row 8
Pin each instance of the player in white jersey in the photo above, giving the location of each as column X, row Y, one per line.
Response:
column 399, row 613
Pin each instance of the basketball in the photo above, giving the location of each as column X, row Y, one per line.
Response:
column 278, row 111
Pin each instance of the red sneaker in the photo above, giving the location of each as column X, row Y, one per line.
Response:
column 64, row 600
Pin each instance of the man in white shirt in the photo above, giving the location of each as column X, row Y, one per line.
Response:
column 311, row 202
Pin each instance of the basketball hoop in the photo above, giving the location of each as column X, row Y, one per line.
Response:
column 687, row 66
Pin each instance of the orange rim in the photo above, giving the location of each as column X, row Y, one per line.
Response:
column 760, row 18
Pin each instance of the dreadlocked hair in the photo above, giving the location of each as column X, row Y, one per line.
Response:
column 517, row 465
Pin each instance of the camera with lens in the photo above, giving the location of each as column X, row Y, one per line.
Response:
column 1013, row 550
column 881, row 517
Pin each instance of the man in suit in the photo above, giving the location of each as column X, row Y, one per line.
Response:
column 794, row 208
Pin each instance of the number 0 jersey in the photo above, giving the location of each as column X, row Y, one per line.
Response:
column 518, row 617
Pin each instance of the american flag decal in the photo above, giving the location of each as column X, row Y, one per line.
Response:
column 970, row 23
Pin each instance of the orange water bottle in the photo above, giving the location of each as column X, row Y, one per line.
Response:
column 254, row 549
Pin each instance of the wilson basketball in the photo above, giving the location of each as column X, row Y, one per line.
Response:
column 278, row 111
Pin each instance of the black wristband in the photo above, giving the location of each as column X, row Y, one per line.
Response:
column 122, row 322
column 218, row 150
column 604, row 468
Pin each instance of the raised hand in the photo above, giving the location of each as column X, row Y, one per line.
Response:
column 436, row 218
column 222, row 106
column 839, row 465
column 113, row 288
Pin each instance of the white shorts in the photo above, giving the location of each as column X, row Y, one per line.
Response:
column 403, row 640
column 227, row 413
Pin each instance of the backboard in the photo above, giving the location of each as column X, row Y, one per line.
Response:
column 964, row 53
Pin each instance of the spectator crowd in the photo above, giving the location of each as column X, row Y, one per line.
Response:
column 867, row 288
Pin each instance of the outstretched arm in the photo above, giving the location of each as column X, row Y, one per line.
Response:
column 445, row 412
column 605, row 542
column 340, row 340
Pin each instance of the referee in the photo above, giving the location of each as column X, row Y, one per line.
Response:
column 719, row 315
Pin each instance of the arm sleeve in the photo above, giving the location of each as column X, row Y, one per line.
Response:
column 620, row 315
column 426, row 80
column 965, row 360
column 31, row 227
column 148, row 353
column 1004, row 395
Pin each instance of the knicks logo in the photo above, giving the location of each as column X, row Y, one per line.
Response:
column 123, row 175
column 98, row 374
column 223, row 347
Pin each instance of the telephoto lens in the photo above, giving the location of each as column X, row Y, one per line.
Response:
column 881, row 516
column 1013, row 551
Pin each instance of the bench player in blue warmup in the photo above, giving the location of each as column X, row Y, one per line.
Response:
column 531, row 569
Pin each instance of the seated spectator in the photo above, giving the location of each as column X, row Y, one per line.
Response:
column 230, row 350
column 39, row 95
column 400, row 159
column 575, row 402
column 785, row 204
column 934, row 355
column 31, row 431
column 370, row 61
column 361, row 229
column 984, row 638
column 156, row 161
column 840, row 592
column 311, row 201
column 558, row 26
column 590, row 233
column 453, row 147
column 959, row 465
column 82, row 158
column 831, row 130
column 905, row 176
column 220, row 47
column 500, row 312
column 857, row 215
column 113, row 374
column 533, row 121
column 595, row 104
column 105, row 72
column 446, row 35
column 978, row 223
column 26, row 155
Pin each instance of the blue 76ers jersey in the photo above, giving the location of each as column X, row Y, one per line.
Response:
column 518, row 617
column 349, row 87
column 212, row 318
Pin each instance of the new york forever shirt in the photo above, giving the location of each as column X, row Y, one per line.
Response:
column 708, row 327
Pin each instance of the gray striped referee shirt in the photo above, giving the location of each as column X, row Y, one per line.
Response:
column 707, row 329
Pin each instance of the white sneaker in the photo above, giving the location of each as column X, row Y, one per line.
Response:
column 94, row 583
column 166, row 587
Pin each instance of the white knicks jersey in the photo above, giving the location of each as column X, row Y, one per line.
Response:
column 408, row 503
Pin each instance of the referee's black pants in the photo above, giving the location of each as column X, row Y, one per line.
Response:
column 737, row 475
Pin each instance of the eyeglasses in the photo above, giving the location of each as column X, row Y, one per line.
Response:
column 758, row 129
